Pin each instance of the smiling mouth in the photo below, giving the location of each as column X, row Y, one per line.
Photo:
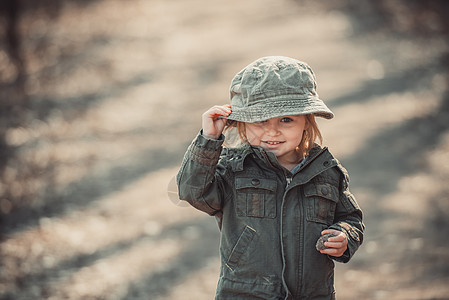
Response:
column 272, row 142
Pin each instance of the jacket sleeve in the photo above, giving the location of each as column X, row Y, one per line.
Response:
column 348, row 218
column 199, row 178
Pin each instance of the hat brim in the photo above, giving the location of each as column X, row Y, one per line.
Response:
column 265, row 110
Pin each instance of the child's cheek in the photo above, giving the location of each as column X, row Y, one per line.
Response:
column 253, row 136
column 254, row 142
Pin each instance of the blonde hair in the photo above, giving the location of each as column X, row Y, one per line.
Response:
column 310, row 135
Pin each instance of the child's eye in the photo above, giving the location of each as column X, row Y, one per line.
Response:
column 286, row 120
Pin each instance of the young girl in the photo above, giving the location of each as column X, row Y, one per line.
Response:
column 276, row 193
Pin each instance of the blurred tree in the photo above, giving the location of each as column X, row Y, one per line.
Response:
column 12, row 77
column 9, row 12
column 15, row 112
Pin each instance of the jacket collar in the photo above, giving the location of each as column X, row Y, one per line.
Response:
column 320, row 159
column 272, row 160
column 236, row 156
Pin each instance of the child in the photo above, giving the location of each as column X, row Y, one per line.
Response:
column 276, row 193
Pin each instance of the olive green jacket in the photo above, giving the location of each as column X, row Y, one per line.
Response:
column 270, row 219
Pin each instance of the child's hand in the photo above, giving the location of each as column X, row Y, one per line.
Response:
column 212, row 125
column 337, row 244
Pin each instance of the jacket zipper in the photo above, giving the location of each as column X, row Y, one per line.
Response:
column 289, row 180
column 288, row 177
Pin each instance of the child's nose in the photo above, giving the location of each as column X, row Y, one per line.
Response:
column 272, row 129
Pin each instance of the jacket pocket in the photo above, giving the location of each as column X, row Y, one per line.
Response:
column 240, row 247
column 321, row 200
column 256, row 197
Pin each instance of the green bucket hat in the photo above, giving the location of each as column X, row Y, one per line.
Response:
column 275, row 86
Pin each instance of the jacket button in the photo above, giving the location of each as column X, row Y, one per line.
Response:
column 255, row 181
column 326, row 163
column 324, row 191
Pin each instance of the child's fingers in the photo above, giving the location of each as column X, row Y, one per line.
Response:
column 335, row 232
column 221, row 109
column 340, row 244
column 336, row 249
column 337, row 244
column 330, row 251
column 215, row 111
column 211, row 123
column 333, row 252
column 338, row 236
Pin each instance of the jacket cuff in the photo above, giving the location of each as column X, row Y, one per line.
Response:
column 205, row 151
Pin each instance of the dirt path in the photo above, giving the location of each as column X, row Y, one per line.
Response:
column 125, row 88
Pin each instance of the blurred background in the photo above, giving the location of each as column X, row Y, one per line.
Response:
column 99, row 100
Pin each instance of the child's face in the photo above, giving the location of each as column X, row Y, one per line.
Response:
column 278, row 135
